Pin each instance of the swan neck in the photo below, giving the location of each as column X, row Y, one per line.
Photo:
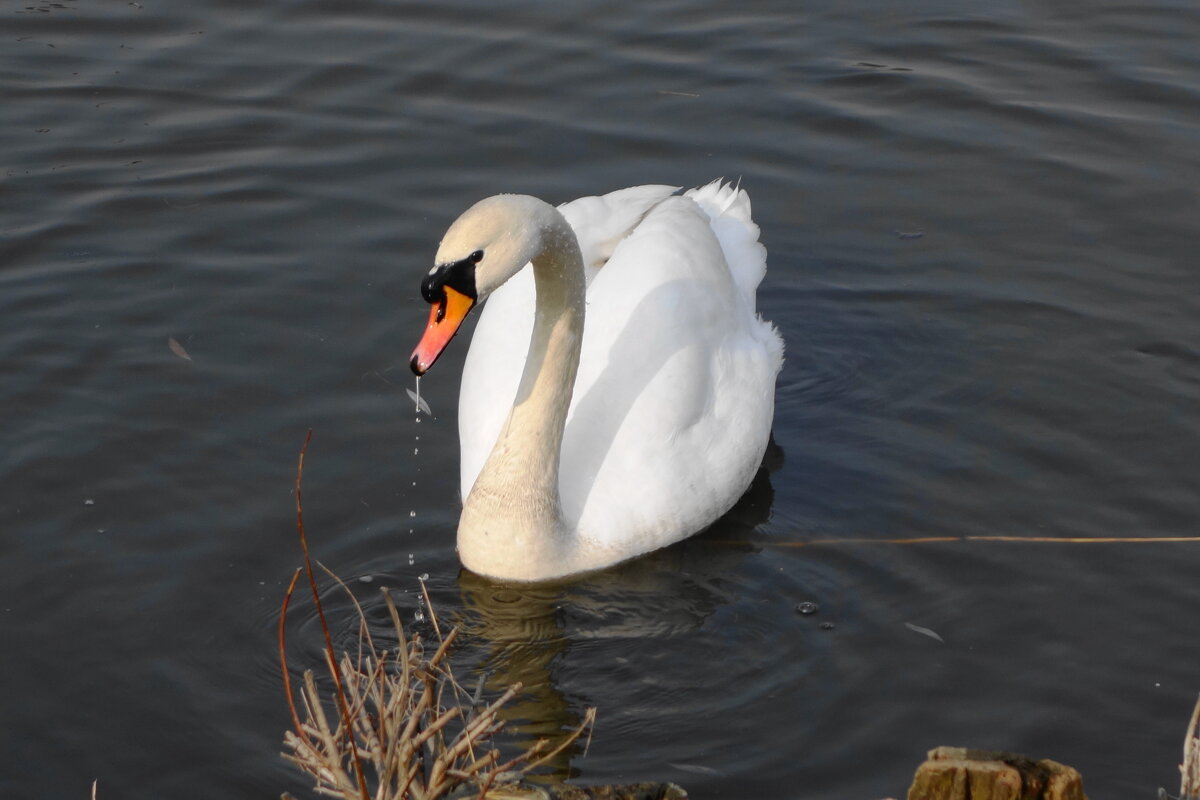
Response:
column 514, row 505
column 539, row 411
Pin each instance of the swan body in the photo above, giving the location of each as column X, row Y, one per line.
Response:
column 619, row 389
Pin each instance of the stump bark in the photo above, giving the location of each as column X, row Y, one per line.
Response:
column 959, row 773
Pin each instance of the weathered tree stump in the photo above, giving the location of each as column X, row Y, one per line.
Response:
column 959, row 773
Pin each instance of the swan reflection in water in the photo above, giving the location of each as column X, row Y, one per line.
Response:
column 532, row 632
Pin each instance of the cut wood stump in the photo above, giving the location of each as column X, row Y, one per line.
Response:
column 959, row 773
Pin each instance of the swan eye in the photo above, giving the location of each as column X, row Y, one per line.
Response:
column 476, row 257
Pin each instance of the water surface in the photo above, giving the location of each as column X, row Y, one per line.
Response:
column 981, row 223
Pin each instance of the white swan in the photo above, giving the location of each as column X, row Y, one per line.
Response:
column 586, row 444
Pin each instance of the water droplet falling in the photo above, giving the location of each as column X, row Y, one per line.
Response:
column 420, row 615
column 420, row 405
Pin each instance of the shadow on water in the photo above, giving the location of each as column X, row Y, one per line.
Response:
column 523, row 632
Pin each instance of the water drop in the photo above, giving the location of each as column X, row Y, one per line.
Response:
column 424, row 576
column 411, row 559
column 827, row 626
column 365, row 578
column 808, row 608
column 412, row 513
column 421, row 405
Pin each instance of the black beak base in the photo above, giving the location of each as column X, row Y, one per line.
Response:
column 458, row 275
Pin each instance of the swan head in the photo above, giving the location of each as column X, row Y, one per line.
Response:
column 492, row 241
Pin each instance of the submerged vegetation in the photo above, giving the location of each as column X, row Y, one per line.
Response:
column 396, row 724
column 393, row 723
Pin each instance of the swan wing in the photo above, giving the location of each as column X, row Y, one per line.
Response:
column 496, row 357
column 600, row 223
column 674, row 400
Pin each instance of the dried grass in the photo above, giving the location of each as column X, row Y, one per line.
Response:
column 1189, row 784
column 395, row 724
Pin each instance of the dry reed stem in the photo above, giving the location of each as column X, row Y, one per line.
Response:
column 400, row 731
column 1189, row 785
column 392, row 730
column 330, row 658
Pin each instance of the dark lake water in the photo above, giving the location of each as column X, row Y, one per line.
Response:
column 266, row 183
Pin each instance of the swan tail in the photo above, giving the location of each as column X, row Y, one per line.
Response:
column 728, row 208
column 723, row 198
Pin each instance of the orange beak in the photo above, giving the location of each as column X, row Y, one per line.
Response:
column 444, row 320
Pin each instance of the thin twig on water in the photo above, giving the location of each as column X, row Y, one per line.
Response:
column 850, row 540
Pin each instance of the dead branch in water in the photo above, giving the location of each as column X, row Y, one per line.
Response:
column 398, row 730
